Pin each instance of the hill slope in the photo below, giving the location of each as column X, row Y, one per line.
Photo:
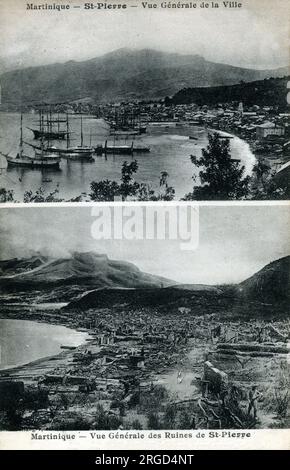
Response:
column 90, row 269
column 268, row 92
column 154, row 297
column 122, row 74
column 271, row 283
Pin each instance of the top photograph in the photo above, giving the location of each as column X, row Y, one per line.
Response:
column 144, row 101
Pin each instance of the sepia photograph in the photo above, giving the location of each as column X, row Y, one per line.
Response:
column 144, row 333
column 144, row 101
column 144, row 230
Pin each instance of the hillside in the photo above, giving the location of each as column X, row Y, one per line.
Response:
column 268, row 92
column 91, row 280
column 154, row 297
column 14, row 266
column 270, row 284
column 122, row 74
column 91, row 269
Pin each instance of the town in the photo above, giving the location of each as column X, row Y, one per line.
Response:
column 156, row 368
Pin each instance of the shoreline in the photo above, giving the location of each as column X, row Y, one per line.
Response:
column 62, row 354
column 232, row 135
column 183, row 129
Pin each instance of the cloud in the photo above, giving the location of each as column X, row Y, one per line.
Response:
column 256, row 35
column 235, row 241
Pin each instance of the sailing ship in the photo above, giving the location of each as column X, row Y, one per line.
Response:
column 49, row 128
column 42, row 158
column 79, row 152
column 127, row 123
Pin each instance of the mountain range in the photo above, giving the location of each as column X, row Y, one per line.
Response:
column 124, row 74
column 92, row 280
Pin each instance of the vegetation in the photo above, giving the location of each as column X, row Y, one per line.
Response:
column 267, row 92
column 221, row 177
column 107, row 190
column 263, row 185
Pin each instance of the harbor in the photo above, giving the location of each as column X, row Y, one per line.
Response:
column 92, row 153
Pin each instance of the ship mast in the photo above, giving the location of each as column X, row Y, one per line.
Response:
column 82, row 137
column 67, row 132
column 21, row 135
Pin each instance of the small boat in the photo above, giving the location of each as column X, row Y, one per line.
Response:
column 191, row 137
column 124, row 133
column 42, row 158
column 80, row 152
column 114, row 149
column 141, row 149
column 220, row 136
column 38, row 161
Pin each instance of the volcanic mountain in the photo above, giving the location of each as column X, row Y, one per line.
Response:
column 91, row 280
column 271, row 284
column 92, row 269
column 122, row 75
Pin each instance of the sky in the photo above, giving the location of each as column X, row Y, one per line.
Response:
column 234, row 241
column 255, row 36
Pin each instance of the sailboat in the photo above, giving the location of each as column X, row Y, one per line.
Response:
column 42, row 158
column 127, row 123
column 47, row 128
column 79, row 152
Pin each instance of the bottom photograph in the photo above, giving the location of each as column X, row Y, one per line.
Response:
column 144, row 317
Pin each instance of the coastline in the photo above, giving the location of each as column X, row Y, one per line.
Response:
column 61, row 356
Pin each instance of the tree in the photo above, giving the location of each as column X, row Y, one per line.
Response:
column 104, row 190
column 221, row 177
column 264, row 186
column 40, row 196
column 128, row 186
column 107, row 190
column 6, row 195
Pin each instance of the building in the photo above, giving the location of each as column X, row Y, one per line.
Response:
column 269, row 128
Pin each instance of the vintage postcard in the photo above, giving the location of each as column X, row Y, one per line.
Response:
column 150, row 101
column 157, row 325
column 144, row 226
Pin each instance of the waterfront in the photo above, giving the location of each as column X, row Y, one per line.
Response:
column 24, row 341
column 170, row 150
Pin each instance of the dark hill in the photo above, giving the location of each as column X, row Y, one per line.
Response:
column 267, row 92
column 270, row 284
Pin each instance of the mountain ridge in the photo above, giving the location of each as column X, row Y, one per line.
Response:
column 91, row 280
column 79, row 267
column 122, row 74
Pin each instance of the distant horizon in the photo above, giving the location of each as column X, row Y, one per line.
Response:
column 255, row 36
column 131, row 49
column 99, row 253
column 234, row 241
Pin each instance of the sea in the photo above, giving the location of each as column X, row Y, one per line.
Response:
column 24, row 341
column 170, row 151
